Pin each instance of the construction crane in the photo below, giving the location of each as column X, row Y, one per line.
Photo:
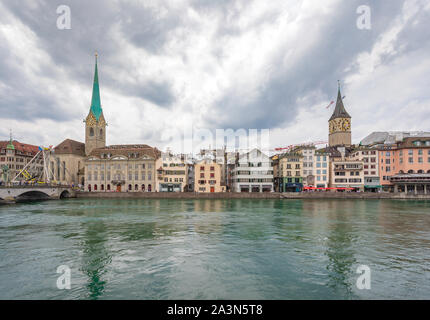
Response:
column 306, row 144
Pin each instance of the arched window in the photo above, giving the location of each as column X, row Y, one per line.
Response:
column 401, row 172
column 149, row 188
column 143, row 187
column 101, row 132
column 102, row 187
column 91, row 132
column 129, row 187
column 89, row 187
column 108, row 187
column 411, row 171
column 136, row 187
column 428, row 171
column 95, row 187
column 420, row 171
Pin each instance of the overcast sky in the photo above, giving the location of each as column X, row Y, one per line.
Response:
column 166, row 65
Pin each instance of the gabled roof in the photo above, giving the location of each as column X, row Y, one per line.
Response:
column 339, row 110
column 70, row 146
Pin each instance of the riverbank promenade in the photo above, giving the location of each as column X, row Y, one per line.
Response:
column 245, row 195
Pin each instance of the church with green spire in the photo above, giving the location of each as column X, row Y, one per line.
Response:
column 95, row 124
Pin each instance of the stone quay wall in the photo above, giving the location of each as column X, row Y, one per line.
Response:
column 245, row 195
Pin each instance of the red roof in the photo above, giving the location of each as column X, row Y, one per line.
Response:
column 19, row 146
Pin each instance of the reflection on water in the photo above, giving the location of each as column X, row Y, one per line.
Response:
column 95, row 257
column 215, row 249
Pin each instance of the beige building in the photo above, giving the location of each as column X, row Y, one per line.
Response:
column 290, row 172
column 346, row 173
column 207, row 177
column 121, row 168
column 172, row 173
column 369, row 157
column 68, row 162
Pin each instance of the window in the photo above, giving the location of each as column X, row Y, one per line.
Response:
column 410, row 152
column 420, row 152
column 91, row 132
column 212, row 168
column 202, row 168
column 202, row 175
column 411, row 160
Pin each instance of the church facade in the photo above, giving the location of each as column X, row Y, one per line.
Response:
column 96, row 166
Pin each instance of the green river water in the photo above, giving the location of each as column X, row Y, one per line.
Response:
column 215, row 249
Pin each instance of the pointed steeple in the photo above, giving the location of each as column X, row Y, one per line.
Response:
column 10, row 145
column 96, row 107
column 339, row 110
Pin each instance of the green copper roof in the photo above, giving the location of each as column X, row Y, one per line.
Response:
column 96, row 107
column 10, row 145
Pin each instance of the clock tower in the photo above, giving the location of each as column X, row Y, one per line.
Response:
column 339, row 125
column 95, row 124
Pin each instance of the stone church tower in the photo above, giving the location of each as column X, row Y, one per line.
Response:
column 339, row 125
column 95, row 124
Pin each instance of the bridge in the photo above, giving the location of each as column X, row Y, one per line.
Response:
column 35, row 192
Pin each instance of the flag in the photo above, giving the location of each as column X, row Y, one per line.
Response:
column 331, row 102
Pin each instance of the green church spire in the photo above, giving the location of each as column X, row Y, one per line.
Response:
column 96, row 107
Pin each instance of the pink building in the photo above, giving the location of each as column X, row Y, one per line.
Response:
column 405, row 166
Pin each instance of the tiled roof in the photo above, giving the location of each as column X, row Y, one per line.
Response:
column 70, row 146
column 19, row 146
column 126, row 149
column 409, row 142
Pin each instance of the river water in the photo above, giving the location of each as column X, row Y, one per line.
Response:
column 215, row 249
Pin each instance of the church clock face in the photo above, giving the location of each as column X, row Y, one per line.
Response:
column 332, row 126
column 345, row 125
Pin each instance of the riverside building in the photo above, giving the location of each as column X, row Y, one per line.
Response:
column 105, row 168
column 172, row 173
column 207, row 177
column 14, row 156
column 253, row 172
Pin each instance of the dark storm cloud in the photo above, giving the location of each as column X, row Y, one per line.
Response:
column 97, row 24
column 319, row 68
column 93, row 23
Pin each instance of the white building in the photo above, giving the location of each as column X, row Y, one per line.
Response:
column 253, row 172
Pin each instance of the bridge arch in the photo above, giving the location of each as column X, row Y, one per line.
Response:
column 33, row 195
column 65, row 194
